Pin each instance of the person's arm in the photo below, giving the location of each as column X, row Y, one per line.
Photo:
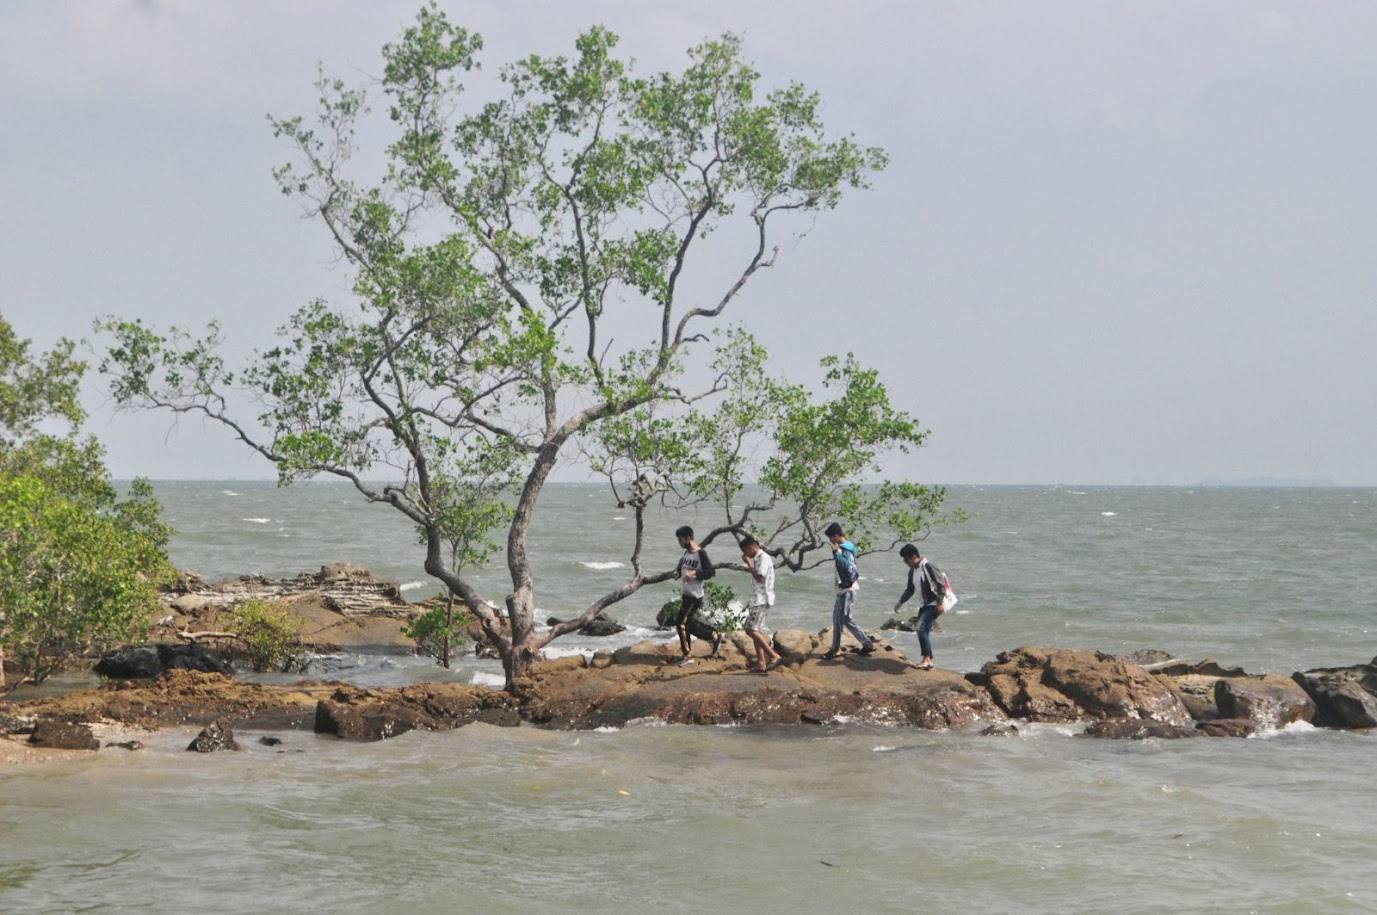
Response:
column 908, row 591
column 705, row 568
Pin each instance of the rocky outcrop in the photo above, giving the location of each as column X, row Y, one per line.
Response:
column 341, row 607
column 361, row 714
column 345, row 588
column 1344, row 697
column 1067, row 685
column 1117, row 698
column 641, row 681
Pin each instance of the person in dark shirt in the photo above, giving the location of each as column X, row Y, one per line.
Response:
column 924, row 579
column 694, row 568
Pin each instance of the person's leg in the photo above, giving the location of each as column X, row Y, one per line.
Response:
column 839, row 608
column 867, row 644
column 758, row 639
column 926, row 617
column 766, row 656
column 681, row 624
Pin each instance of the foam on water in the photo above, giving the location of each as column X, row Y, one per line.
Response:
column 491, row 680
column 600, row 565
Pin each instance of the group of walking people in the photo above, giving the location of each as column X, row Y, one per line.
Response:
column 925, row 581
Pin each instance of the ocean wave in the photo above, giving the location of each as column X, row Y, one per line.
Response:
column 413, row 585
column 1295, row 727
column 603, row 565
column 228, row 492
column 257, row 520
column 1108, row 514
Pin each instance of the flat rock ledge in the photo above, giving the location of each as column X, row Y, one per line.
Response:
column 1114, row 697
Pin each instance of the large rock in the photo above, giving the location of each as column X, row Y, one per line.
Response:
column 213, row 738
column 142, row 662
column 1344, row 697
column 642, row 682
column 1060, row 684
column 61, row 735
column 1270, row 701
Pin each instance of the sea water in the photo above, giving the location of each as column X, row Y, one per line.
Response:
column 839, row 816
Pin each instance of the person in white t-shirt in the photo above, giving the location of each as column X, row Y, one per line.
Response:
column 762, row 569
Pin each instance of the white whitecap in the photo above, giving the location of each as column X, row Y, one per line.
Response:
column 1295, row 727
column 883, row 749
column 606, row 729
column 619, row 517
column 228, row 492
column 603, row 565
column 257, row 520
column 413, row 585
column 1109, row 514
column 492, row 681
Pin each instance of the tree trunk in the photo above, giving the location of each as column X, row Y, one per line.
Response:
column 520, row 615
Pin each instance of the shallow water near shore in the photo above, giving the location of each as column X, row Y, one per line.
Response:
column 688, row 819
column 841, row 816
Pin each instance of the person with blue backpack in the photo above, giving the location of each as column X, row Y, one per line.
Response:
column 848, row 576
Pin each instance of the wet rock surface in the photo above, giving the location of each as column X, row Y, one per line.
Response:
column 1344, row 697
column 1061, row 684
column 146, row 661
column 1118, row 699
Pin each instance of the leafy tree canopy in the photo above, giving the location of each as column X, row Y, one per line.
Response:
column 519, row 271
column 78, row 564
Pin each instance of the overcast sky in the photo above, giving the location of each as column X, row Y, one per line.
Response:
column 1117, row 242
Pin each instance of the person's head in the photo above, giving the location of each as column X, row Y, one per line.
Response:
column 834, row 532
column 909, row 554
column 749, row 546
column 685, row 535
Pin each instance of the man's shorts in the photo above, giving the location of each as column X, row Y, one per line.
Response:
column 755, row 618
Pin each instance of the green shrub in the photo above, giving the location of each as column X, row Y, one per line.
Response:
column 438, row 633
column 716, row 611
column 269, row 633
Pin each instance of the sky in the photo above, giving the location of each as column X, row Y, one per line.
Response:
column 1117, row 243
